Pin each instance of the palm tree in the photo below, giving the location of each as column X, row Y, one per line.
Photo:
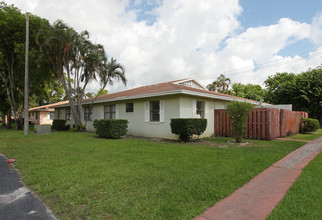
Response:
column 220, row 85
column 83, row 62
column 213, row 86
column 223, row 83
column 107, row 73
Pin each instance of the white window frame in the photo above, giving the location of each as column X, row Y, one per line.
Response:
column 88, row 113
column 111, row 113
column 205, row 112
column 148, row 115
column 68, row 114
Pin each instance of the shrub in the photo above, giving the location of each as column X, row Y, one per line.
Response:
column 74, row 129
column 187, row 127
column 59, row 125
column 238, row 113
column 110, row 128
column 309, row 125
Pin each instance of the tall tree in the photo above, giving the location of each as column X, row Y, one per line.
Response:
column 83, row 62
column 12, row 56
column 303, row 91
column 249, row 91
column 101, row 91
column 221, row 84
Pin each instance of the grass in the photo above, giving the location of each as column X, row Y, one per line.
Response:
column 82, row 177
column 309, row 137
column 304, row 198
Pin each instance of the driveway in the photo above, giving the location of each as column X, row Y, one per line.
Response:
column 17, row 201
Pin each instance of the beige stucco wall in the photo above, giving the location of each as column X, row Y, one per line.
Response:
column 137, row 125
column 41, row 119
column 186, row 111
column 175, row 106
column 33, row 119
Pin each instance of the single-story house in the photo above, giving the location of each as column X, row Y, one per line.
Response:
column 149, row 109
column 43, row 114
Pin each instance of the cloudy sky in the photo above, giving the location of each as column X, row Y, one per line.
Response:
column 163, row 40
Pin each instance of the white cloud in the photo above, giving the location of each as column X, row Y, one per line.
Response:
column 186, row 39
column 316, row 29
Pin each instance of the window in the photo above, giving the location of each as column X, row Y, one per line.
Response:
column 58, row 113
column 52, row 115
column 68, row 114
column 129, row 107
column 36, row 115
column 200, row 110
column 88, row 114
column 155, row 111
column 109, row 112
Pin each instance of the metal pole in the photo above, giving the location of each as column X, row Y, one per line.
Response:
column 26, row 98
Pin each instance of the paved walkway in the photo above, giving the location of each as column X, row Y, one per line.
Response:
column 257, row 198
column 17, row 201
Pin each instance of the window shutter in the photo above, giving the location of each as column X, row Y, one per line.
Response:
column 161, row 110
column 206, row 110
column 147, row 112
column 194, row 109
column 116, row 111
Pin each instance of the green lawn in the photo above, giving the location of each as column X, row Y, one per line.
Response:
column 304, row 198
column 82, row 177
column 309, row 137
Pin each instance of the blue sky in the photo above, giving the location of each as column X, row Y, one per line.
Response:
column 265, row 12
column 255, row 13
column 164, row 40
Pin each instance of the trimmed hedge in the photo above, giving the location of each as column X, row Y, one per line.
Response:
column 187, row 127
column 59, row 125
column 238, row 113
column 110, row 128
column 309, row 125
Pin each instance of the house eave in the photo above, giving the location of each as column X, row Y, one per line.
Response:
column 173, row 92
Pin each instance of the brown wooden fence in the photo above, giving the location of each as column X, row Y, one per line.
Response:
column 262, row 123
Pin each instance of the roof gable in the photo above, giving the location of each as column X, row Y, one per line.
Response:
column 185, row 86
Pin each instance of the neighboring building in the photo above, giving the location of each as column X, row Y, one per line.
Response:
column 150, row 108
column 43, row 114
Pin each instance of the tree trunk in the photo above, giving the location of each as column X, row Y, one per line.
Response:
column 19, row 124
column 3, row 119
column 9, row 126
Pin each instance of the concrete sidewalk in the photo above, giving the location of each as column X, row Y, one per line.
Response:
column 17, row 201
column 257, row 198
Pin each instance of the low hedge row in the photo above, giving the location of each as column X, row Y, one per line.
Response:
column 187, row 127
column 309, row 125
column 110, row 128
column 59, row 125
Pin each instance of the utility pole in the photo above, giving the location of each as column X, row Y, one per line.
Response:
column 26, row 98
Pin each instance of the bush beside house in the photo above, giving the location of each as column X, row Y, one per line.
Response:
column 187, row 127
column 110, row 128
column 238, row 113
column 309, row 125
column 59, row 125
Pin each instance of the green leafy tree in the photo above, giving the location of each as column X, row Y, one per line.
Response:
column 12, row 56
column 101, row 91
column 280, row 88
column 238, row 113
column 249, row 91
column 303, row 91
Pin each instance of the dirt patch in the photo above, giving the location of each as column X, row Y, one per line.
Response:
column 241, row 144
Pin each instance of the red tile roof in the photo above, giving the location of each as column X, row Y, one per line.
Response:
column 49, row 107
column 155, row 89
